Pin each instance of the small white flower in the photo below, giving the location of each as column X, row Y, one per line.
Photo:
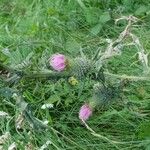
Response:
column 14, row 95
column 12, row 146
column 19, row 121
column 3, row 114
column 47, row 106
column 45, row 145
column 4, row 138
column 108, row 40
column 6, row 51
column 143, row 58
column 45, row 122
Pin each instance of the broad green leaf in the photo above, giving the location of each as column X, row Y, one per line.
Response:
column 92, row 15
column 105, row 17
column 72, row 46
column 144, row 130
column 53, row 99
column 148, row 147
column 128, row 5
column 80, row 2
column 96, row 29
column 141, row 10
column 68, row 101
column 148, row 12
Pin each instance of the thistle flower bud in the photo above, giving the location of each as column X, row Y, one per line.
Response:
column 85, row 112
column 73, row 81
column 58, row 62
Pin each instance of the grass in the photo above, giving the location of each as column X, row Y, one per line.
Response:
column 34, row 30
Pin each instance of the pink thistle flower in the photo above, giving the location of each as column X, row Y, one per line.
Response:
column 85, row 112
column 58, row 62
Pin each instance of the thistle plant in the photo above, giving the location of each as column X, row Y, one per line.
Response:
column 79, row 68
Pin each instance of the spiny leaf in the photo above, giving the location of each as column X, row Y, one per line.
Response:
column 144, row 130
column 20, row 58
column 7, row 92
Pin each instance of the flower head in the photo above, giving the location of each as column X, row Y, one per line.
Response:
column 73, row 81
column 85, row 112
column 58, row 62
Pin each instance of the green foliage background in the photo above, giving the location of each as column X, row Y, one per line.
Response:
column 32, row 30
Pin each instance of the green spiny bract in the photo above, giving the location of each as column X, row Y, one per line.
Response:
column 80, row 67
column 103, row 94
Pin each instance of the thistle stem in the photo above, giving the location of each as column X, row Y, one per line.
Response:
column 54, row 75
column 133, row 78
column 36, row 74
column 51, row 75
